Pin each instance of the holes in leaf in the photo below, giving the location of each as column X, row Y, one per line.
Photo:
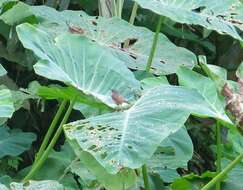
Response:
column 161, row 61
column 94, row 23
column 84, row 140
column 92, row 147
column 130, row 147
column 91, row 128
column 103, row 155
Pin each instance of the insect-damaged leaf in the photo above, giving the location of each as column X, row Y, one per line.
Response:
column 112, row 33
column 79, row 62
column 129, row 138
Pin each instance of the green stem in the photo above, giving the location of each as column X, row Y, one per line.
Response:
column 222, row 174
column 145, row 178
column 134, row 13
column 131, row 21
column 219, row 152
column 43, row 158
column 50, row 130
column 154, row 45
column 120, row 7
column 114, row 7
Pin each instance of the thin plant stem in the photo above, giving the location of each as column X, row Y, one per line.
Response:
column 154, row 45
column 119, row 8
column 223, row 173
column 50, row 130
column 43, row 158
column 131, row 20
column 145, row 178
column 114, row 7
column 219, row 152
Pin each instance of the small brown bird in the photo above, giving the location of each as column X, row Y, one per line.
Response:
column 75, row 29
column 117, row 98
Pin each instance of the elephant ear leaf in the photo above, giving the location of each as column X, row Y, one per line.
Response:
column 223, row 18
column 129, row 138
column 81, row 63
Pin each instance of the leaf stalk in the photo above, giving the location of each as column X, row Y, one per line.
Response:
column 43, row 158
column 145, row 178
column 50, row 130
column 154, row 45
column 223, row 173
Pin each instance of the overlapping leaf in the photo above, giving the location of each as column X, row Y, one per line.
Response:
column 6, row 103
column 15, row 142
column 112, row 33
column 129, row 138
column 174, row 152
column 207, row 88
column 79, row 62
column 222, row 17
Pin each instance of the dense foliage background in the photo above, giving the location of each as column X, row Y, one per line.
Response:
column 149, row 94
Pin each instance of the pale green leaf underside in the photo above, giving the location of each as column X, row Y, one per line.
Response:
column 129, row 138
column 213, row 15
column 6, row 103
column 79, row 62
column 112, row 32
column 207, row 89
column 37, row 185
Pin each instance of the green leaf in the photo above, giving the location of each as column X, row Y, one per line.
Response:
column 122, row 180
column 60, row 163
column 234, row 177
column 207, row 88
column 239, row 72
column 6, row 103
column 165, row 162
column 129, row 138
column 2, row 71
column 152, row 82
column 17, row 14
column 37, row 185
column 3, row 187
column 79, row 62
column 208, row 14
column 112, row 33
column 13, row 143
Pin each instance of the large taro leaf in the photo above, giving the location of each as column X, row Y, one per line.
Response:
column 6, row 103
column 208, row 89
column 129, row 138
column 13, row 143
column 174, row 152
column 112, row 33
column 79, row 62
column 222, row 17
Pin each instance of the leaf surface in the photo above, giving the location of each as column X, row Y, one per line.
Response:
column 129, row 138
column 206, row 13
column 79, row 62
